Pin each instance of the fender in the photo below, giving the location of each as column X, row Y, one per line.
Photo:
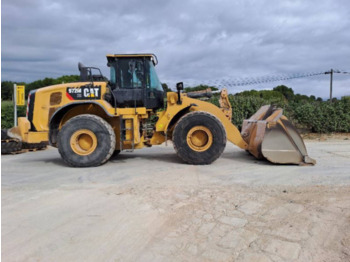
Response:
column 178, row 115
column 56, row 118
column 188, row 104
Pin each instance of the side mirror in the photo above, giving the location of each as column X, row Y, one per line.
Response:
column 180, row 86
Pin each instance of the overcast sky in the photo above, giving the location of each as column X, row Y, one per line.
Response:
column 194, row 40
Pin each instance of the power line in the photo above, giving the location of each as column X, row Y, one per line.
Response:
column 235, row 82
column 331, row 72
column 264, row 79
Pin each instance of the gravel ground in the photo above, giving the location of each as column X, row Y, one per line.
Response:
column 149, row 206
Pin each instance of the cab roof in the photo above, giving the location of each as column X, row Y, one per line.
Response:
column 130, row 55
column 152, row 57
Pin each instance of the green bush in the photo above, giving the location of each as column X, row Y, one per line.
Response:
column 7, row 113
column 7, row 86
column 244, row 107
column 199, row 88
column 265, row 94
column 317, row 116
column 322, row 117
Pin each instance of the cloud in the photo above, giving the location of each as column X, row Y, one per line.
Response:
column 194, row 40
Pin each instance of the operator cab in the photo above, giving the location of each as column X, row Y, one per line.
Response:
column 134, row 81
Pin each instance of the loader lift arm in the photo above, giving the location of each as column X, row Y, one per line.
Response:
column 173, row 108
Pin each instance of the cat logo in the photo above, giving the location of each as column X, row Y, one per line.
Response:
column 84, row 92
column 91, row 92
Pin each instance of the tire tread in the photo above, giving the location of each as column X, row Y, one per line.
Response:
column 176, row 130
column 10, row 146
column 90, row 117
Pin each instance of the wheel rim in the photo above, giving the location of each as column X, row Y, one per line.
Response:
column 199, row 138
column 83, row 142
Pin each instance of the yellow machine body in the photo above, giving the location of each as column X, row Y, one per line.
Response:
column 267, row 134
column 53, row 99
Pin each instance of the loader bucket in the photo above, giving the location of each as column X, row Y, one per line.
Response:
column 270, row 135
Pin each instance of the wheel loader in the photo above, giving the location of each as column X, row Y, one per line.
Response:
column 90, row 120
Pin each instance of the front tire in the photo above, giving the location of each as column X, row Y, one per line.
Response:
column 199, row 138
column 86, row 141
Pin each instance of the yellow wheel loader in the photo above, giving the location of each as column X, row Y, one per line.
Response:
column 92, row 119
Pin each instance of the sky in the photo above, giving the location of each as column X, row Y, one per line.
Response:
column 195, row 41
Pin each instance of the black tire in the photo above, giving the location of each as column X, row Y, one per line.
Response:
column 32, row 146
column 116, row 153
column 104, row 136
column 215, row 147
column 4, row 135
column 10, row 146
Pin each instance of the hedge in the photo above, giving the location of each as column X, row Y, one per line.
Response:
column 7, row 113
column 244, row 107
column 316, row 116
column 321, row 117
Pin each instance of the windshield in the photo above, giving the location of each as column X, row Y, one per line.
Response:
column 113, row 80
column 153, row 81
column 134, row 73
column 130, row 73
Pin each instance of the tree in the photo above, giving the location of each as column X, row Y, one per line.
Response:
column 7, row 86
column 265, row 94
column 166, row 88
column 6, row 90
column 286, row 91
column 199, row 88
column 301, row 98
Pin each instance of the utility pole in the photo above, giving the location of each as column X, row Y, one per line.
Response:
column 15, row 104
column 330, row 85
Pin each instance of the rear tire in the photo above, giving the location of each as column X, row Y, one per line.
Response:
column 86, row 141
column 116, row 153
column 35, row 146
column 4, row 134
column 10, row 146
column 199, row 138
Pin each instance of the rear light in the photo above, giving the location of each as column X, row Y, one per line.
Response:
column 28, row 105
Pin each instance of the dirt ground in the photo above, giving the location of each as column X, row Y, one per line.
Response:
column 149, row 206
column 326, row 137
